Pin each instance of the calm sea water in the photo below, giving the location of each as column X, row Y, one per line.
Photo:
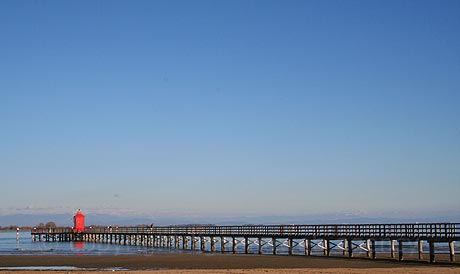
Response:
column 23, row 245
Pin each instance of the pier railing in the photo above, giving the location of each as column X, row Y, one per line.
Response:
column 424, row 231
column 344, row 238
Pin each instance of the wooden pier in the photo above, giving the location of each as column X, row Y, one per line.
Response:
column 343, row 239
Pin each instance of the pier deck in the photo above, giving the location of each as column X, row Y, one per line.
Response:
column 347, row 239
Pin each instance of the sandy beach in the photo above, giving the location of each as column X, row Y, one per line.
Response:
column 217, row 263
column 424, row 270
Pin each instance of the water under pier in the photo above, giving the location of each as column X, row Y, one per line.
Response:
column 342, row 239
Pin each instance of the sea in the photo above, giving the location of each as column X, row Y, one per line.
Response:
column 22, row 244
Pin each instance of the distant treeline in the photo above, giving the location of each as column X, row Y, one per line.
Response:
column 40, row 225
column 14, row 227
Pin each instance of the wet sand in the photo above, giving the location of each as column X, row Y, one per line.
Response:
column 219, row 263
column 427, row 270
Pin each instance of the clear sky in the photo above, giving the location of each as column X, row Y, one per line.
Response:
column 230, row 107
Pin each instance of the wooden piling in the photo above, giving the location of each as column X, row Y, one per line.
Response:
column 368, row 248
column 307, row 247
column 400, row 250
column 350, row 248
column 260, row 245
column 325, row 243
column 373, row 249
column 202, row 243
column 213, row 244
column 452, row 251
column 420, row 249
column 246, row 245
column 193, row 242
column 392, row 249
column 222, row 244
column 432, row 252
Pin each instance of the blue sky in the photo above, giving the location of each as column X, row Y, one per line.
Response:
column 238, row 108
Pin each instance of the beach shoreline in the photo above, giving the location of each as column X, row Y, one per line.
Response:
column 213, row 263
column 416, row 270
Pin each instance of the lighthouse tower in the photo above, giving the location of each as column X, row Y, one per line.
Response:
column 79, row 222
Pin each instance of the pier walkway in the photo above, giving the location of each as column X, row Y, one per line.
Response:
column 344, row 239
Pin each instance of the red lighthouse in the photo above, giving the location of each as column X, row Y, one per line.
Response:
column 79, row 222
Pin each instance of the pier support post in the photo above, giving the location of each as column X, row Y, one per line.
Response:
column 222, row 244
column 392, row 247
column 452, row 251
column 193, row 243
column 400, row 250
column 350, row 248
column 368, row 247
column 246, row 245
column 307, row 247
column 233, row 245
column 290, row 245
column 260, row 245
column 213, row 244
column 432, row 254
column 327, row 246
column 373, row 249
column 420, row 249
column 275, row 245
column 344, row 248
column 202, row 243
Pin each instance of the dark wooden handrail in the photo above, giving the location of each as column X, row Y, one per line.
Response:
column 378, row 231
